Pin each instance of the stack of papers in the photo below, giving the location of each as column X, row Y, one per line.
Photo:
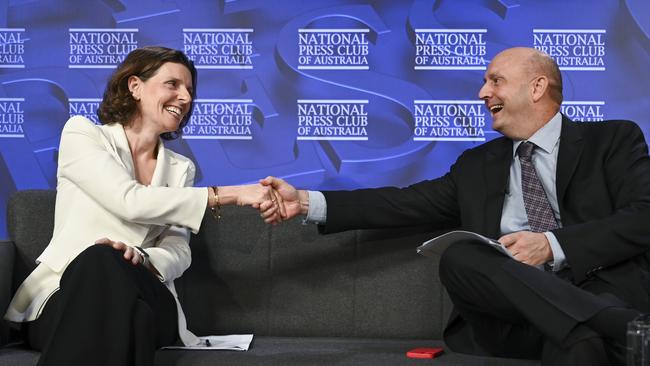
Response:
column 233, row 342
column 437, row 245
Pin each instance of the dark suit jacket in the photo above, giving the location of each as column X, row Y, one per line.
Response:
column 603, row 190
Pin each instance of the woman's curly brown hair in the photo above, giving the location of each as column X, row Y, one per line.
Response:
column 118, row 105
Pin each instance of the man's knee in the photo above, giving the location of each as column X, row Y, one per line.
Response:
column 453, row 256
column 460, row 258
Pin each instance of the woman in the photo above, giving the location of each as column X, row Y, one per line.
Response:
column 114, row 303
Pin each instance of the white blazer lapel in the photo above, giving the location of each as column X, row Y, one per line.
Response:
column 169, row 172
column 119, row 145
column 163, row 167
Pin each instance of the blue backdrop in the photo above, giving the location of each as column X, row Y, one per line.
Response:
column 327, row 94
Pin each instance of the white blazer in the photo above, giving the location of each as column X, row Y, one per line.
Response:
column 98, row 196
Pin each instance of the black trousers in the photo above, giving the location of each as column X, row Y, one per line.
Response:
column 509, row 309
column 107, row 312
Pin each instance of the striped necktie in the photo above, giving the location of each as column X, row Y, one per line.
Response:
column 538, row 209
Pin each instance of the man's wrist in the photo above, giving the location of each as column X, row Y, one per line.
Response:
column 303, row 199
column 559, row 257
column 316, row 208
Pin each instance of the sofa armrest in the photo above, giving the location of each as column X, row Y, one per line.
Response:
column 7, row 253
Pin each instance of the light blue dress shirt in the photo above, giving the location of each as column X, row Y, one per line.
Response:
column 513, row 218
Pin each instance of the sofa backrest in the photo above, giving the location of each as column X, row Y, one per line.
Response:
column 30, row 223
column 284, row 280
column 288, row 280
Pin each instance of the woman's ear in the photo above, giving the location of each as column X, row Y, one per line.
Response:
column 135, row 84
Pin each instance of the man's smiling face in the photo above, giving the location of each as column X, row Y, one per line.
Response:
column 506, row 92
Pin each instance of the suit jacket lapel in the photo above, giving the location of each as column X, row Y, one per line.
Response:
column 571, row 146
column 119, row 145
column 496, row 172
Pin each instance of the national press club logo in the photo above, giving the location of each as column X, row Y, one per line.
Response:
column 332, row 119
column 584, row 110
column 219, row 48
column 333, row 49
column 449, row 120
column 12, row 117
column 86, row 107
column 573, row 49
column 220, row 119
column 100, row 48
column 12, row 48
column 450, row 49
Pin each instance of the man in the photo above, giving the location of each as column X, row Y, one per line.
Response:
column 574, row 216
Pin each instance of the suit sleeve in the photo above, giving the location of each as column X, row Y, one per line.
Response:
column 86, row 162
column 433, row 203
column 623, row 233
column 171, row 255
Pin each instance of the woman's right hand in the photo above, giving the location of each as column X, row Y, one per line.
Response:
column 253, row 195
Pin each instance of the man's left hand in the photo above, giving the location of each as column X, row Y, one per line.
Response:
column 528, row 247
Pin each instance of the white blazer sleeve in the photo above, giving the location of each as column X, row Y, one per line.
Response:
column 85, row 162
column 171, row 255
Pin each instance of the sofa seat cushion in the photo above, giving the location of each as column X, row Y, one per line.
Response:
column 18, row 356
column 283, row 351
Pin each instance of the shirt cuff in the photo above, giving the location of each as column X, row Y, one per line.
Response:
column 317, row 213
column 559, row 259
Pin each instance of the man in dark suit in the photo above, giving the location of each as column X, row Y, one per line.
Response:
column 572, row 205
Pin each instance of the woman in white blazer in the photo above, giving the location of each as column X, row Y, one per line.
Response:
column 118, row 187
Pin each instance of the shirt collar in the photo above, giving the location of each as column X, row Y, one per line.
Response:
column 545, row 138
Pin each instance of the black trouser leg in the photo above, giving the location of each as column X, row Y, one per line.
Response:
column 513, row 309
column 497, row 328
column 588, row 350
column 107, row 312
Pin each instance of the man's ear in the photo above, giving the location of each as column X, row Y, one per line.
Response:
column 135, row 84
column 539, row 87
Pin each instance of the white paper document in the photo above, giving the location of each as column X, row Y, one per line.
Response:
column 233, row 342
column 437, row 245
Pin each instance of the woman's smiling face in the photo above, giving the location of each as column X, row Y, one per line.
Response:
column 164, row 98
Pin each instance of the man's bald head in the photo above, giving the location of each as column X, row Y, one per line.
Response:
column 535, row 63
column 522, row 89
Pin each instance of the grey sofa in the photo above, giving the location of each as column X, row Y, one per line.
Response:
column 354, row 298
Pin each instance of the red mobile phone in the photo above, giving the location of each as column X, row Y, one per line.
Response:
column 424, row 352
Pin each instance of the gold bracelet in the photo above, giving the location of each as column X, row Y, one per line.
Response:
column 216, row 209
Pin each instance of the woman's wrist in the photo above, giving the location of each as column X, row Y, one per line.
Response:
column 223, row 195
column 214, row 202
column 143, row 255
column 211, row 200
column 228, row 195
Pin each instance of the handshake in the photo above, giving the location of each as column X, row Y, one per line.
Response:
column 275, row 199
